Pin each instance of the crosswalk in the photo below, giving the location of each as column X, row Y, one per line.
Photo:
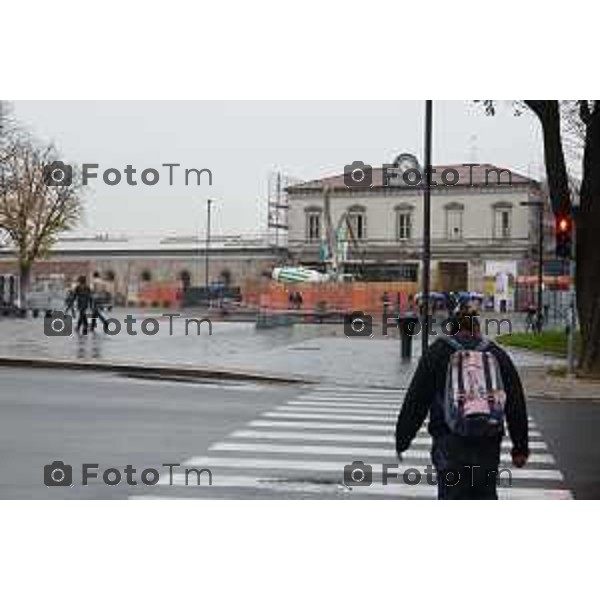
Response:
column 305, row 447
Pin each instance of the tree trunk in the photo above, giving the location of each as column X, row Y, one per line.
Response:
column 587, row 251
column 548, row 112
column 24, row 282
column 587, row 219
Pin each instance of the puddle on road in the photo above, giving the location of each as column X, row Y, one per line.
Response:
column 313, row 485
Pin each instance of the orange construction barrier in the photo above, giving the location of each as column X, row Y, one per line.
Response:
column 341, row 297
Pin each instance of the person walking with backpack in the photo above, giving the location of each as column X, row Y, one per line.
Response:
column 470, row 388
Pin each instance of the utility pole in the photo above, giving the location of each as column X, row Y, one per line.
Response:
column 278, row 201
column 540, row 288
column 426, row 227
column 207, row 248
column 572, row 319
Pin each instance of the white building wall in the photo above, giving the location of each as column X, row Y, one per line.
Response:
column 478, row 215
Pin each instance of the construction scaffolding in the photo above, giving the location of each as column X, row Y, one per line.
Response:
column 278, row 208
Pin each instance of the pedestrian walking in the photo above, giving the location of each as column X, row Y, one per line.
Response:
column 70, row 302
column 98, row 293
column 469, row 387
column 530, row 319
column 451, row 304
column 298, row 300
column 83, row 302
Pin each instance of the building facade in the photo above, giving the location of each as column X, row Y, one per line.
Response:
column 483, row 236
column 156, row 266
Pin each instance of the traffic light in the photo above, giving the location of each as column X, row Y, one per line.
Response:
column 564, row 236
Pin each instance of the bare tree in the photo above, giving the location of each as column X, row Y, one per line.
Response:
column 575, row 124
column 36, row 205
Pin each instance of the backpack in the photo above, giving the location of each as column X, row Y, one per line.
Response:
column 474, row 396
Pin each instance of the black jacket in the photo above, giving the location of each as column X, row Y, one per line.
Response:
column 427, row 388
column 82, row 297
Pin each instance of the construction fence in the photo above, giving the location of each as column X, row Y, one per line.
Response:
column 342, row 297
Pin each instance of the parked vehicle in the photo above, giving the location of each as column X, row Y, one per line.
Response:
column 47, row 293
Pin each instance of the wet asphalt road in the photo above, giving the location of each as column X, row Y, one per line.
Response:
column 115, row 421
column 110, row 420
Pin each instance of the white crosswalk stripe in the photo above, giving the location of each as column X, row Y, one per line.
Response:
column 351, row 451
column 299, row 450
column 422, row 438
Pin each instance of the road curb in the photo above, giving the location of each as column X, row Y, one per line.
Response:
column 158, row 371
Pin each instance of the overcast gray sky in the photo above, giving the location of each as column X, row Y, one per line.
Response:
column 243, row 143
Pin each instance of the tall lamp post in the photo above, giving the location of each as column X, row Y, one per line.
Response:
column 426, row 227
column 207, row 248
column 539, row 205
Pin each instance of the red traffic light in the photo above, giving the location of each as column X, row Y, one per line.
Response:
column 564, row 233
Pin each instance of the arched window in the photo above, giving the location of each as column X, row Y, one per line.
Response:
column 146, row 275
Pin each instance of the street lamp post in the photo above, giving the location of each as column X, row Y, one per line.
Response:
column 539, row 204
column 426, row 227
column 207, row 248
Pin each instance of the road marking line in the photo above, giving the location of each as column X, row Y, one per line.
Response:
column 342, row 404
column 328, row 466
column 357, row 390
column 354, row 451
column 387, row 440
column 316, row 425
column 325, row 417
column 299, row 413
column 365, row 399
column 422, row 436
column 293, row 411
column 391, row 411
column 312, row 436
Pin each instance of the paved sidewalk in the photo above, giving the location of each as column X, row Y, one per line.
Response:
column 319, row 352
column 542, row 383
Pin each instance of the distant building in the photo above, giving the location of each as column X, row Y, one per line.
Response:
column 483, row 238
column 132, row 263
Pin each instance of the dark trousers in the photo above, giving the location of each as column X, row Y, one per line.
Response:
column 82, row 323
column 467, row 467
column 467, row 483
column 97, row 316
